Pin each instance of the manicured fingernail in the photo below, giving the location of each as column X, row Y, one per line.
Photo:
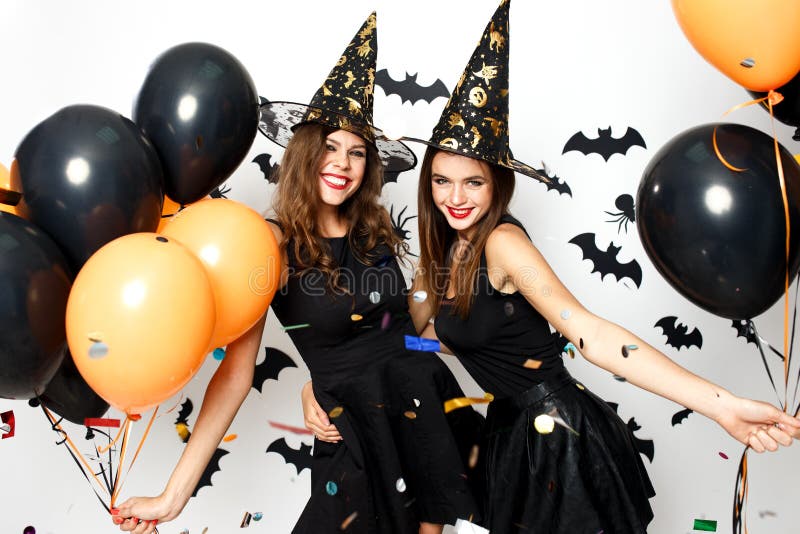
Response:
column 155, row 522
column 118, row 520
column 115, row 511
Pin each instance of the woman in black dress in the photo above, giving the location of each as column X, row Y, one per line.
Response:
column 396, row 463
column 494, row 297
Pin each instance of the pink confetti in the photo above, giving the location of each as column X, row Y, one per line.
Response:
column 723, row 455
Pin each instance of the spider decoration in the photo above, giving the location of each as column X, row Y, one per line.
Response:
column 219, row 192
column 624, row 203
column 399, row 223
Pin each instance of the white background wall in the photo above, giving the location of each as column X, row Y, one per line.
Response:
column 575, row 65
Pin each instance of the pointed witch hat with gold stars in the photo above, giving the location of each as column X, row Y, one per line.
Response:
column 474, row 122
column 343, row 102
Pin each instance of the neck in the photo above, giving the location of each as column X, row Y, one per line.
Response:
column 330, row 222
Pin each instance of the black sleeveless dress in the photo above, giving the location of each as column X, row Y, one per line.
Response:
column 559, row 482
column 402, row 459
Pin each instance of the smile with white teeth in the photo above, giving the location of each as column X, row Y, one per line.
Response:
column 335, row 180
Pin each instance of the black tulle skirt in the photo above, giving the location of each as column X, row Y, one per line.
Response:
column 562, row 482
column 402, row 460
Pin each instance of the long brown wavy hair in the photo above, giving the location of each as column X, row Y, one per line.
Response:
column 439, row 242
column 296, row 203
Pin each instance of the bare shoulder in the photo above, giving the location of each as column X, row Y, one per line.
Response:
column 506, row 237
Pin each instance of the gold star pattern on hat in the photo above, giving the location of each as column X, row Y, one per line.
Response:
column 474, row 122
column 344, row 101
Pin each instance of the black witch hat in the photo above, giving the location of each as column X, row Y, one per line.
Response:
column 474, row 122
column 343, row 102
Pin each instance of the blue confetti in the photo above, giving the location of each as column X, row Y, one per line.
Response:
column 423, row 344
column 257, row 516
column 219, row 354
column 331, row 487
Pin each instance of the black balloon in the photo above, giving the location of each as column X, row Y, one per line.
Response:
column 718, row 236
column 199, row 107
column 34, row 286
column 70, row 396
column 88, row 175
column 788, row 110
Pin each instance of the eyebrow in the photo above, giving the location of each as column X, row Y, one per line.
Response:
column 337, row 143
column 475, row 177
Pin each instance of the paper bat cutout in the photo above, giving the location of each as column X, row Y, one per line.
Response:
column 182, row 422
column 299, row 458
column 9, row 424
column 676, row 333
column 605, row 261
column 644, row 446
column 555, row 183
column 408, row 89
column 220, row 192
column 274, row 362
column 269, row 169
column 604, row 144
column 680, row 417
column 212, row 467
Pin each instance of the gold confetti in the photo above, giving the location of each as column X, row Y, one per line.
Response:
column 410, row 414
column 461, row 402
column 530, row 363
column 335, row 412
column 355, row 317
column 349, row 519
column 579, row 386
column 473, row 457
column 544, row 424
column 230, row 437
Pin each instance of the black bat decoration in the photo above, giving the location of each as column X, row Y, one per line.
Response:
column 605, row 261
column 300, row 458
column 408, row 89
column 604, row 144
column 644, row 446
column 182, row 422
column 746, row 330
column 556, row 183
column 212, row 467
column 274, row 362
column 677, row 335
column 680, row 417
column 220, row 192
column 269, row 169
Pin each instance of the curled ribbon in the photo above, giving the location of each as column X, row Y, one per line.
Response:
column 462, row 402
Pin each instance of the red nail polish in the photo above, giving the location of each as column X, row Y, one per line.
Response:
column 155, row 522
column 115, row 511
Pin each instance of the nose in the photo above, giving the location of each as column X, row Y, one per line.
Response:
column 342, row 159
column 457, row 195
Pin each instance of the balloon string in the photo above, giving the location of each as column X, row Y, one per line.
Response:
column 74, row 451
column 740, row 495
column 123, row 448
column 113, row 442
column 138, row 448
column 773, row 97
column 760, row 346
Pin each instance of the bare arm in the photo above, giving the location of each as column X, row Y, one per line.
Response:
column 421, row 311
column 601, row 342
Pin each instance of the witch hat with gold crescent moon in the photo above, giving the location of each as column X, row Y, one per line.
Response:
column 474, row 122
column 343, row 102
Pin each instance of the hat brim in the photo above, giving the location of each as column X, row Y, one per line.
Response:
column 513, row 164
column 277, row 121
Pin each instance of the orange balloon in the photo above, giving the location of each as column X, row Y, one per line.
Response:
column 240, row 254
column 5, row 183
column 139, row 320
column 731, row 33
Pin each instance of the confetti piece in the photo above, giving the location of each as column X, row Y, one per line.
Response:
column 257, row 516
column 570, row 349
column 422, row 344
column 473, row 457
column 8, row 419
column 5, row 428
column 246, row 520
column 723, row 455
column 530, row 363
column 184, row 531
column 101, row 422
column 707, row 525
column 289, row 428
column 29, row 530
column 98, row 350
column 419, row 296
column 580, row 342
column 386, row 320
column 230, row 437
column 624, row 351
column 461, row 402
column 183, row 431
column 508, row 308
column 565, row 314
column 356, row 317
column 335, row 412
column 544, row 424
column 463, row 526
column 331, row 488
column 219, row 354
column 410, row 414
column 766, row 513
column 374, row 297
column 295, row 326
column 579, row 386
column 349, row 519
column 417, row 403
column 619, row 378
column 400, row 485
